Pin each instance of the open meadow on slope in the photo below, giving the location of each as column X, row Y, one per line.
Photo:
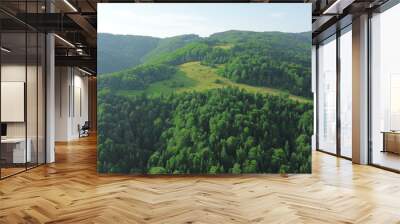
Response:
column 194, row 76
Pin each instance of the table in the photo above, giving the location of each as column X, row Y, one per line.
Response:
column 391, row 141
column 13, row 150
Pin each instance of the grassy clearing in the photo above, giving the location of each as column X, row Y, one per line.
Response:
column 177, row 82
column 206, row 78
column 224, row 46
column 197, row 77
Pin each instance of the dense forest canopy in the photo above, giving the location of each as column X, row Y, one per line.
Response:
column 219, row 131
column 248, row 120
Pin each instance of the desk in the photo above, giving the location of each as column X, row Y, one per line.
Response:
column 14, row 150
column 391, row 141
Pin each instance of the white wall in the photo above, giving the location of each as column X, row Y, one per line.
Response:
column 80, row 109
column 33, row 127
column 16, row 73
column 62, row 82
column 71, row 94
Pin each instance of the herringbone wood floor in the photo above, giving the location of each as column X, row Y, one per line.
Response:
column 70, row 191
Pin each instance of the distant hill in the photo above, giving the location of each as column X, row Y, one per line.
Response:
column 170, row 44
column 118, row 52
column 240, row 36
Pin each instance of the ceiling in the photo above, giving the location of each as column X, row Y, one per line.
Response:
column 75, row 21
column 331, row 15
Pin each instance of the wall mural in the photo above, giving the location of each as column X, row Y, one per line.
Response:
column 204, row 88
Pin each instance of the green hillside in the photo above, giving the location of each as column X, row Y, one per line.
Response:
column 196, row 77
column 235, row 102
column 269, row 60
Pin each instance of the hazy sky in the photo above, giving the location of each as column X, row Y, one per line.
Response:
column 166, row 20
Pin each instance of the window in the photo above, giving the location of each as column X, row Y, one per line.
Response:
column 385, row 89
column 327, row 95
column 22, row 77
column 346, row 92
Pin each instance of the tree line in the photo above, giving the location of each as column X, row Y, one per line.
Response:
column 137, row 78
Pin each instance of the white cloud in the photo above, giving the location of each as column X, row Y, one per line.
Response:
column 277, row 15
column 166, row 20
column 163, row 24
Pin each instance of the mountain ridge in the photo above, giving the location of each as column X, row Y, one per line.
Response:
column 122, row 51
column 264, row 59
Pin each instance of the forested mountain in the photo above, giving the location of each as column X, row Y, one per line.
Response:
column 234, row 102
column 270, row 59
column 118, row 52
column 273, row 59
